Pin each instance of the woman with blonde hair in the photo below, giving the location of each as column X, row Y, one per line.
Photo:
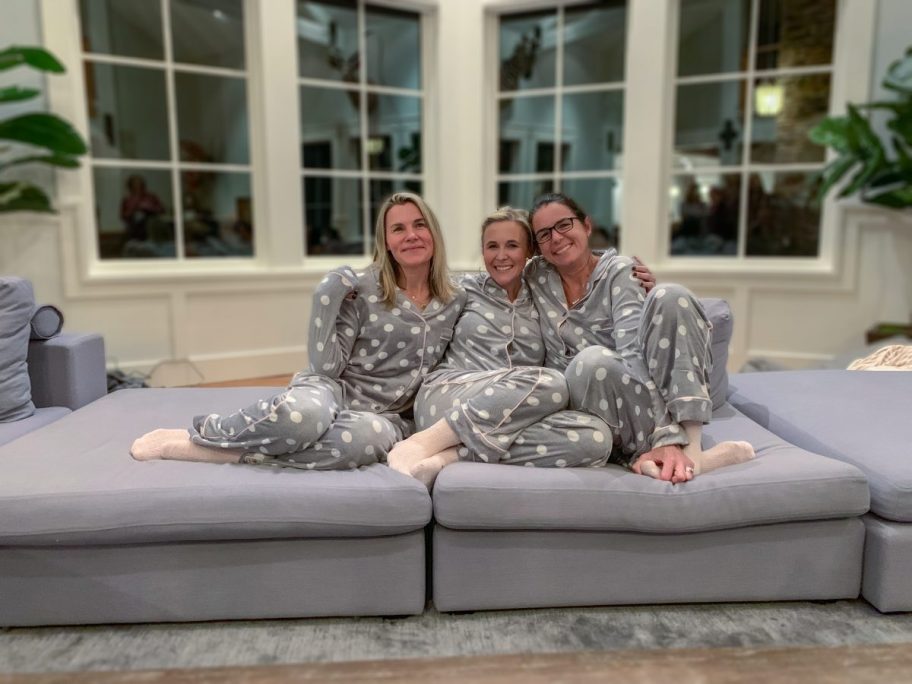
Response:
column 373, row 336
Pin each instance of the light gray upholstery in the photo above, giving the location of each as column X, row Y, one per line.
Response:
column 783, row 484
column 67, row 370
column 74, row 482
column 227, row 580
column 17, row 304
column 46, row 322
column 887, row 564
column 858, row 417
column 40, row 418
column 719, row 314
column 485, row 570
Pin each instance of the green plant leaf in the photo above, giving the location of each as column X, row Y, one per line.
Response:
column 43, row 130
column 895, row 199
column 20, row 196
column 17, row 94
column 35, row 57
column 833, row 173
column 61, row 160
column 832, row 131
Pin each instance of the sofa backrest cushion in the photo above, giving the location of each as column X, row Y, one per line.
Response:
column 719, row 314
column 17, row 305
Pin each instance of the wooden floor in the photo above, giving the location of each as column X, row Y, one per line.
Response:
column 268, row 381
column 855, row 665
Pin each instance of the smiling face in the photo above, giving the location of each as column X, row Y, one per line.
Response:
column 408, row 237
column 505, row 249
column 564, row 250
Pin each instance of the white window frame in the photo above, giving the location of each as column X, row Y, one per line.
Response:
column 649, row 93
column 275, row 165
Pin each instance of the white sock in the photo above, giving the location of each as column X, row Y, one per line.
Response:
column 407, row 453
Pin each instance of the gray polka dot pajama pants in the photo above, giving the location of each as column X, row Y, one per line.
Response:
column 644, row 395
column 508, row 416
column 306, row 426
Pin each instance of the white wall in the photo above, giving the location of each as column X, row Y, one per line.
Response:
column 247, row 325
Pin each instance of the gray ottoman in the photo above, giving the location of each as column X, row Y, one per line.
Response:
column 857, row 417
column 784, row 526
column 88, row 535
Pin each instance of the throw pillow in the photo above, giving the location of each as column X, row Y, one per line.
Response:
column 46, row 323
column 17, row 304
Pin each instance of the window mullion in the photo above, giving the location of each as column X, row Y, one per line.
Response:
column 273, row 101
column 173, row 136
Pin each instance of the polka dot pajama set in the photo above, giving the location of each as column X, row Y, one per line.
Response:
column 492, row 391
column 366, row 364
column 639, row 363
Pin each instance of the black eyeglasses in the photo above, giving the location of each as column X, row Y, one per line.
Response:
column 565, row 224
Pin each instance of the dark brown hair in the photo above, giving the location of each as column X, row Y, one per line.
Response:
column 556, row 198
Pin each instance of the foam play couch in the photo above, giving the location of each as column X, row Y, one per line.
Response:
column 88, row 535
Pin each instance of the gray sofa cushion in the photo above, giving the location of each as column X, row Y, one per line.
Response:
column 40, row 418
column 783, row 484
column 17, row 304
column 859, row 417
column 719, row 314
column 46, row 322
column 74, row 482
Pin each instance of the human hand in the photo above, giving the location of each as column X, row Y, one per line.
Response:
column 643, row 274
column 675, row 466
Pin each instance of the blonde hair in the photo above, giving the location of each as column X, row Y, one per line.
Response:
column 439, row 282
column 507, row 213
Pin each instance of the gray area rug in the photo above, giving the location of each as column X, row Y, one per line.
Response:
column 133, row 647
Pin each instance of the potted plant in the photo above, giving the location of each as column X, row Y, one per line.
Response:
column 36, row 137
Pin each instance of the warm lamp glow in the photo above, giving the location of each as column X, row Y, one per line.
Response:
column 768, row 98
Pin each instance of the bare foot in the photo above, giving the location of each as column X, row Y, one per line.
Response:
column 175, row 445
column 427, row 470
column 721, row 455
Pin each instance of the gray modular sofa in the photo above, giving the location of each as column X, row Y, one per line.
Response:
column 87, row 535
column 859, row 418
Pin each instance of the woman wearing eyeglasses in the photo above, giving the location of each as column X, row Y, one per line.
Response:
column 640, row 363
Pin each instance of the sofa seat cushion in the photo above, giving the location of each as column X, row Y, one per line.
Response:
column 40, row 418
column 74, row 482
column 783, row 484
column 859, row 417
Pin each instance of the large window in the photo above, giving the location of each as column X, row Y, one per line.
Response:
column 560, row 108
column 361, row 103
column 753, row 76
column 166, row 92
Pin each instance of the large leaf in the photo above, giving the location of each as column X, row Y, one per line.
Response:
column 17, row 94
column 895, row 199
column 43, row 130
column 833, row 173
column 61, row 160
column 20, row 196
column 35, row 57
column 832, row 131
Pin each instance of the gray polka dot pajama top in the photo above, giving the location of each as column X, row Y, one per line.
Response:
column 640, row 363
column 493, row 392
column 366, row 365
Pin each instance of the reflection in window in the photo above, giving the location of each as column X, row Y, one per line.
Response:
column 736, row 110
column 360, row 141
column 201, row 165
column 583, row 155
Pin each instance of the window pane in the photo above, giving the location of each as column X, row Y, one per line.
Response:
column 521, row 194
column 218, row 216
column 380, row 189
column 129, row 28
column 134, row 211
column 328, row 40
column 527, row 122
column 394, row 127
column 704, row 214
column 783, row 218
column 524, row 63
column 594, row 42
column 593, row 130
column 330, row 128
column 212, row 118
column 792, row 107
column 795, row 33
column 209, row 32
column 600, row 198
column 712, row 36
column 127, row 111
column 332, row 215
column 708, row 123
column 393, row 48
